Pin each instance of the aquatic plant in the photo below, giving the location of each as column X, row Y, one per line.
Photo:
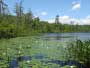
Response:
column 79, row 51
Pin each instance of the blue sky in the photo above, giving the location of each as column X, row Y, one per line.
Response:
column 48, row 9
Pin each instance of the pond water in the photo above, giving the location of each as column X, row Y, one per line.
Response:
column 44, row 50
column 66, row 36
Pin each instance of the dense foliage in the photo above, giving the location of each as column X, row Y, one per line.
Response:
column 79, row 51
column 23, row 24
column 12, row 26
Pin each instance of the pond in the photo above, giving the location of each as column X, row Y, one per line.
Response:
column 66, row 36
column 46, row 50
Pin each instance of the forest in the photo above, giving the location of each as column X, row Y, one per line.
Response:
column 24, row 24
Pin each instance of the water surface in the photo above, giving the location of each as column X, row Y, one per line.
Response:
column 43, row 49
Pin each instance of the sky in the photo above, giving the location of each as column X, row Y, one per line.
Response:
column 68, row 10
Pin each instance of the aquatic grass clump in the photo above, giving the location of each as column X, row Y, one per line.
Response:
column 79, row 51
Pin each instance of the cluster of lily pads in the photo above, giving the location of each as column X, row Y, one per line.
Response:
column 29, row 52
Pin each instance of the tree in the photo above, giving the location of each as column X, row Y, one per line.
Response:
column 29, row 17
column 19, row 12
column 57, row 19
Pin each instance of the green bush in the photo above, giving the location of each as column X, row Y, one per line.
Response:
column 79, row 51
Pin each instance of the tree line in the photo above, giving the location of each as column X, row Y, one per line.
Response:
column 24, row 24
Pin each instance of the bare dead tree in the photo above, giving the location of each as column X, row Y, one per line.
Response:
column 19, row 9
column 3, row 8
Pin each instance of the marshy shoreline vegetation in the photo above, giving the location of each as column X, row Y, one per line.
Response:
column 25, row 25
column 79, row 51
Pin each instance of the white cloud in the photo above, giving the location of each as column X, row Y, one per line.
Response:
column 76, row 6
column 51, row 20
column 36, row 16
column 88, row 17
column 62, row 19
column 69, row 20
column 86, row 20
column 39, row 13
column 43, row 13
